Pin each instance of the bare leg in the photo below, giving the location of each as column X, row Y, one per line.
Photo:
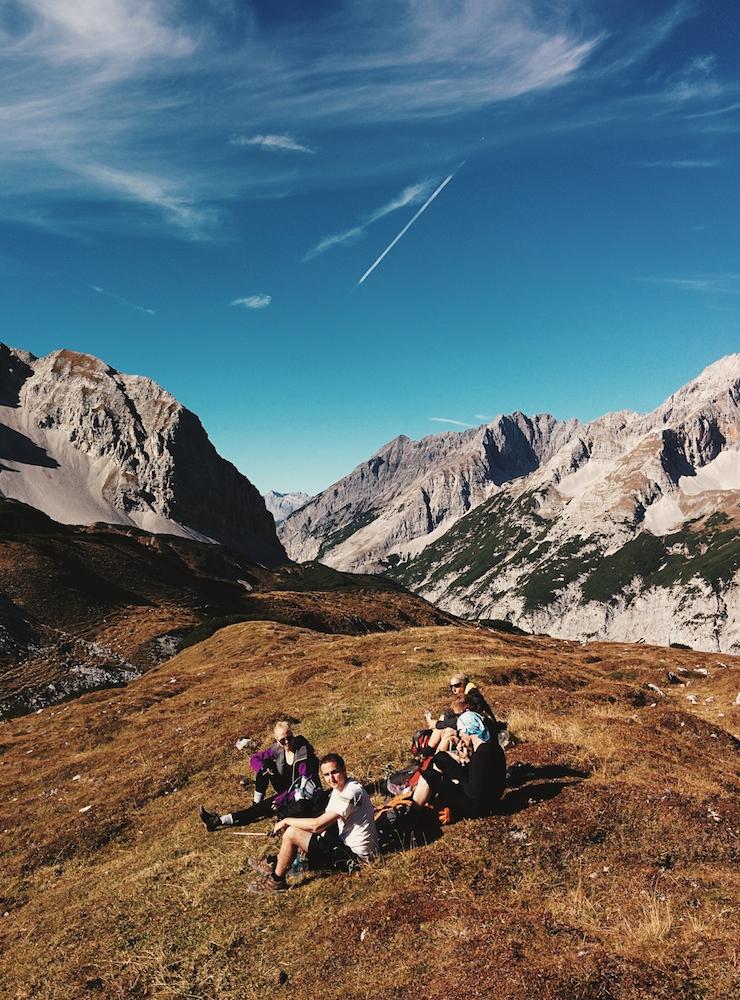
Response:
column 435, row 738
column 293, row 841
column 422, row 792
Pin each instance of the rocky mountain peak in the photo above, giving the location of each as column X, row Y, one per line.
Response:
column 719, row 383
column 85, row 443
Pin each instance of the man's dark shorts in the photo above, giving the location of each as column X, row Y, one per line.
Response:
column 326, row 850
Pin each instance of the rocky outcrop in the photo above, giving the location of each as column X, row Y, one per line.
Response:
column 625, row 527
column 85, row 443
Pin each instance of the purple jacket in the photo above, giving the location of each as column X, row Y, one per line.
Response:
column 299, row 780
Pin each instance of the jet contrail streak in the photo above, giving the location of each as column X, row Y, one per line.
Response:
column 406, row 228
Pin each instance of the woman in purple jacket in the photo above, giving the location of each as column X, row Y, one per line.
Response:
column 292, row 767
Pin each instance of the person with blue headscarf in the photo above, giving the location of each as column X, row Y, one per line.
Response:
column 470, row 781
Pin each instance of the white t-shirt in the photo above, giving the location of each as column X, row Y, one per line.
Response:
column 356, row 821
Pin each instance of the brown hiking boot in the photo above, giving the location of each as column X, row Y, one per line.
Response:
column 211, row 821
column 267, row 884
column 262, row 866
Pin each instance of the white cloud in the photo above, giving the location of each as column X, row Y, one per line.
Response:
column 120, row 299
column 447, row 420
column 431, row 58
column 129, row 101
column 725, row 284
column 684, row 164
column 726, row 110
column 411, row 195
column 106, row 33
column 696, row 80
column 153, row 192
column 481, row 416
column 253, row 302
column 274, row 143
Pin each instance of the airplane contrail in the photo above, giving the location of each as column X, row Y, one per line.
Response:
column 406, row 228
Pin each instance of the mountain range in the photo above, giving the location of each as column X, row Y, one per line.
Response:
column 624, row 527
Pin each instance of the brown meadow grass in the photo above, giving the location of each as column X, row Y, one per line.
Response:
column 610, row 872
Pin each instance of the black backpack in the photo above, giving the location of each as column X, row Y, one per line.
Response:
column 401, row 827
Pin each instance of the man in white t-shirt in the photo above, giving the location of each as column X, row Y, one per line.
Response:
column 344, row 833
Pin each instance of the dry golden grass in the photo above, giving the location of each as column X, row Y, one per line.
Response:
column 618, row 886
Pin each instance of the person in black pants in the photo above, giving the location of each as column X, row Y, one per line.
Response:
column 291, row 766
column 471, row 781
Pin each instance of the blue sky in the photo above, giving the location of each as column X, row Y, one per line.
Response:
column 193, row 190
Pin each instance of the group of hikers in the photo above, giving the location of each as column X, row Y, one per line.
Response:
column 461, row 769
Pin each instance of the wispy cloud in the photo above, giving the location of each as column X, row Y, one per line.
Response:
column 107, row 34
column 273, row 143
column 695, row 80
column 410, row 195
column 121, row 301
column 154, row 193
column 447, row 420
column 481, row 416
column 714, row 112
column 683, row 164
column 253, row 302
column 119, row 84
column 127, row 102
column 724, row 284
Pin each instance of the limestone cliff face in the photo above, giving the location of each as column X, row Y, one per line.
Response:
column 624, row 527
column 84, row 443
column 282, row 505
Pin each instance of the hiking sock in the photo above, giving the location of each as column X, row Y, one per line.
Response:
column 257, row 798
column 280, row 879
column 227, row 819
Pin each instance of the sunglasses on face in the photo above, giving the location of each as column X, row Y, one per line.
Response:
column 457, row 685
column 285, row 740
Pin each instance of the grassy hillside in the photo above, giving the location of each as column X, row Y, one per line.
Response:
column 610, row 872
column 112, row 602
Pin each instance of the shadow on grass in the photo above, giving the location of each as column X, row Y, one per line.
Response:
column 526, row 785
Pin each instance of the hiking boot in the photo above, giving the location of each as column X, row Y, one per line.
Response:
column 267, row 884
column 211, row 821
column 261, row 865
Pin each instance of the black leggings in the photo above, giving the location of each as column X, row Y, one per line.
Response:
column 265, row 808
column 447, row 793
column 262, row 810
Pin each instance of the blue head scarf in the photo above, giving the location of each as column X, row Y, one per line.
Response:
column 472, row 724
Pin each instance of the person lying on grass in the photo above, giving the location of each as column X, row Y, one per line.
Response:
column 290, row 764
column 470, row 781
column 343, row 835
